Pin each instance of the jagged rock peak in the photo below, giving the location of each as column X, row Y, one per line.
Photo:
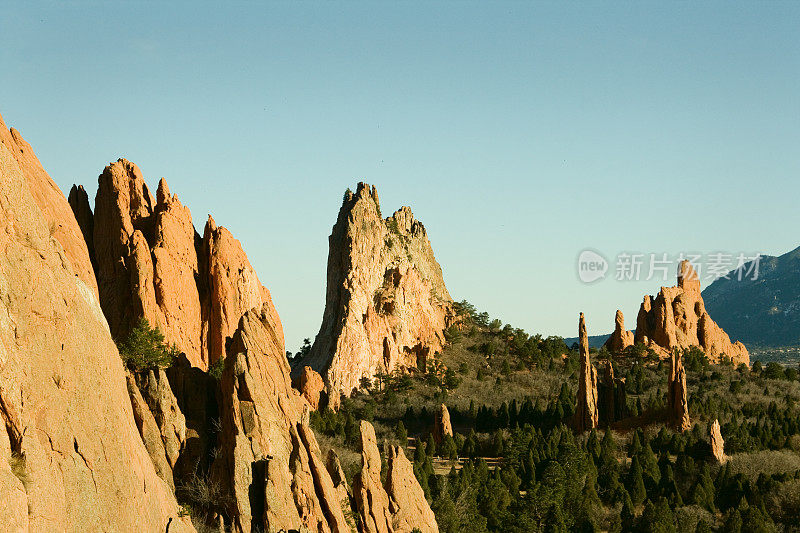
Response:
column 63, row 399
column 677, row 318
column 386, row 304
column 151, row 263
column 586, row 415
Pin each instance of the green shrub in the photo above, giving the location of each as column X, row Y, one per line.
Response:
column 145, row 348
column 216, row 368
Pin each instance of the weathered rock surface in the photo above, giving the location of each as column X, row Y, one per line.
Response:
column 56, row 210
column 150, row 433
column 678, row 400
column 717, row 444
column 152, row 263
column 269, row 461
column 441, row 425
column 586, row 415
column 156, row 392
column 400, row 506
column 677, row 318
column 407, row 500
column 386, row 304
column 621, row 338
column 68, row 434
column 371, row 498
column 311, row 386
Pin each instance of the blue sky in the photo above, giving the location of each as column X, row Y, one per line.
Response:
column 519, row 133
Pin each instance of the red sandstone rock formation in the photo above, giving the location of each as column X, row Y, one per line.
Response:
column 56, row 210
column 311, row 386
column 400, row 506
column 386, row 306
column 676, row 318
column 621, row 338
column 678, row 400
column 586, row 415
column 407, row 501
column 441, row 425
column 152, row 263
column 67, row 422
column 717, row 444
column 269, row 461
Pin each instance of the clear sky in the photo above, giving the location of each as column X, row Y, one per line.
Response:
column 519, row 133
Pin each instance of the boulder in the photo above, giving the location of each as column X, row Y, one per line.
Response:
column 586, row 414
column 68, row 427
column 386, row 305
column 677, row 318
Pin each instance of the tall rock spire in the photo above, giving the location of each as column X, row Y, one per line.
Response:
column 586, row 415
column 678, row 400
column 621, row 338
column 386, row 305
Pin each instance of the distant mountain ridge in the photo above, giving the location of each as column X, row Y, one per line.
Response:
column 764, row 311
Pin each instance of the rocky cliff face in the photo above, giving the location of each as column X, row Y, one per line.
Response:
column 386, row 305
column 269, row 461
column 677, row 318
column 586, row 414
column 152, row 263
column 71, row 458
column 54, row 207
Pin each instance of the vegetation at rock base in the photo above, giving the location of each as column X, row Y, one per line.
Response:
column 145, row 348
column 514, row 463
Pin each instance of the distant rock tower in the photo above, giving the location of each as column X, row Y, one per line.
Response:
column 586, row 415
column 621, row 338
column 441, row 425
column 678, row 400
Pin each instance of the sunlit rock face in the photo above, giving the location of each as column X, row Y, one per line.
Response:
column 677, row 318
column 152, row 263
column 386, row 305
